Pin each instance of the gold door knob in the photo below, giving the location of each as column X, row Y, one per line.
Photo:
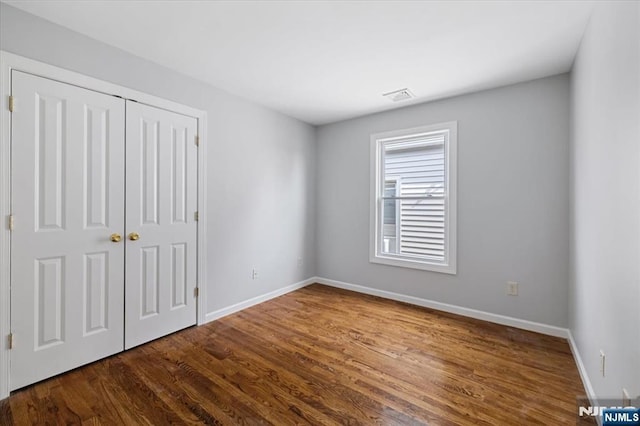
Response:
column 116, row 238
column 134, row 236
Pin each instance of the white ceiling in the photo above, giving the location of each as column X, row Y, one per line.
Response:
column 324, row 61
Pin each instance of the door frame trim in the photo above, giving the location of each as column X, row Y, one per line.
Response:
column 10, row 61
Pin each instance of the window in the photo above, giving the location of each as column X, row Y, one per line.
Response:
column 413, row 198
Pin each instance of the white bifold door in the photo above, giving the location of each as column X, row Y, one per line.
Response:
column 67, row 276
column 161, row 227
column 103, row 247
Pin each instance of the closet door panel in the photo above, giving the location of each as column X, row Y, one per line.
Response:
column 161, row 200
column 67, row 288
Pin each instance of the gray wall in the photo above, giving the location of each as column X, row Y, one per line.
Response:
column 261, row 168
column 605, row 240
column 513, row 201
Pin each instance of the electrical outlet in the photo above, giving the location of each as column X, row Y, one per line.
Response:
column 512, row 288
column 300, row 263
column 602, row 362
column 254, row 274
column 626, row 399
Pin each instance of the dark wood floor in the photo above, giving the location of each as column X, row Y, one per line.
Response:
column 320, row 356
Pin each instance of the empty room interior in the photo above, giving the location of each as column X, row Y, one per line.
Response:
column 320, row 212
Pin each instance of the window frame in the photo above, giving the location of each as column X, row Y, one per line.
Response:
column 377, row 178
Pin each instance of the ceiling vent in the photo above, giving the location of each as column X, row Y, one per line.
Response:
column 399, row 95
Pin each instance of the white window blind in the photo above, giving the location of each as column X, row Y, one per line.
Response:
column 413, row 198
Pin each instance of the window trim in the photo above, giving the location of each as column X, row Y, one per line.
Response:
column 449, row 266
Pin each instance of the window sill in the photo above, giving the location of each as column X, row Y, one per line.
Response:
column 413, row 264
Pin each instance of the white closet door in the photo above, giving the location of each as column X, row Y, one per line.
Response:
column 161, row 200
column 67, row 199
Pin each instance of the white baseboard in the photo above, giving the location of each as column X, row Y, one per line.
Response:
column 459, row 310
column 212, row 316
column 582, row 370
